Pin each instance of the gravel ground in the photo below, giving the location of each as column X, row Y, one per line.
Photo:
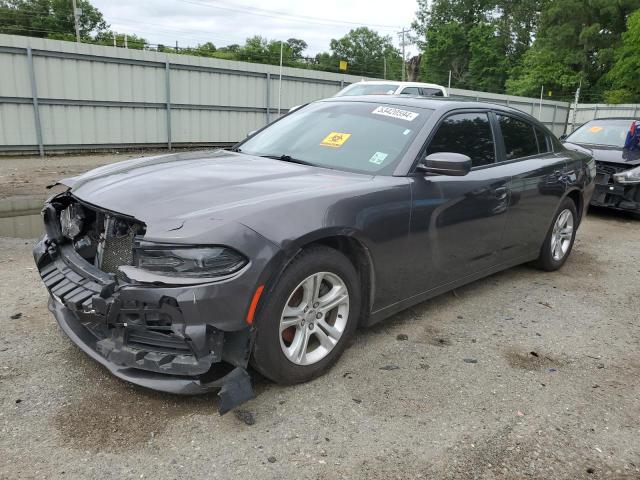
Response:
column 521, row 375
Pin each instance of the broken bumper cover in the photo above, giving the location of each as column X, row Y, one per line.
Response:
column 613, row 195
column 162, row 338
column 620, row 197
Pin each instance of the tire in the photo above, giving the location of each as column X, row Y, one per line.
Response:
column 294, row 291
column 549, row 258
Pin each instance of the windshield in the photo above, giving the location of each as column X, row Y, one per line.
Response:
column 368, row 89
column 612, row 133
column 360, row 137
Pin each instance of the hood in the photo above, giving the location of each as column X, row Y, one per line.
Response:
column 602, row 153
column 215, row 184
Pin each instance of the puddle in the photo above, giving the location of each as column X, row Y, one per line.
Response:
column 23, row 226
column 20, row 217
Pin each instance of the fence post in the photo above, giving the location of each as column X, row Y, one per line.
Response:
column 168, row 95
column 595, row 112
column 268, row 98
column 34, row 97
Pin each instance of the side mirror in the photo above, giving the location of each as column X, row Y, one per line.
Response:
column 446, row 163
column 563, row 137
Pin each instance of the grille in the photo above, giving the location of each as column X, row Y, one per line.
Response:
column 117, row 251
column 608, row 169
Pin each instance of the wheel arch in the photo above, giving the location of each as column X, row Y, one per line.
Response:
column 350, row 244
column 576, row 195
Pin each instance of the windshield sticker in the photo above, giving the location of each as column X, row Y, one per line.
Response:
column 595, row 129
column 378, row 158
column 396, row 113
column 335, row 139
column 407, row 131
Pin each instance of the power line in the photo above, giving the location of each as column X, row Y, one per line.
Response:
column 245, row 9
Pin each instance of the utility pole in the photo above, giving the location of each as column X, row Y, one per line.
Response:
column 125, row 41
column 404, row 30
column 385, row 68
column 280, row 79
column 449, row 84
column 76, row 17
column 115, row 44
column 575, row 106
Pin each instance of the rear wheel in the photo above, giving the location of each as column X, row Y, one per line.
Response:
column 559, row 241
column 308, row 318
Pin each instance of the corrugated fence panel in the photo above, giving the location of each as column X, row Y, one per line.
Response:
column 81, row 125
column 14, row 75
column 91, row 96
column 192, row 126
column 17, row 125
column 590, row 111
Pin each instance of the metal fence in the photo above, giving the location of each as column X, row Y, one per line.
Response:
column 60, row 96
column 584, row 112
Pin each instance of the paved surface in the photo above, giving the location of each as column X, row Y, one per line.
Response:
column 554, row 394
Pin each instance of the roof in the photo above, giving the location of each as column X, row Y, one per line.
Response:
column 433, row 103
column 399, row 84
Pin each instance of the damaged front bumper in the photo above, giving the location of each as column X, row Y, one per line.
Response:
column 613, row 195
column 160, row 337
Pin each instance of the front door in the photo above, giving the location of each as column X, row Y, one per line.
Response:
column 457, row 223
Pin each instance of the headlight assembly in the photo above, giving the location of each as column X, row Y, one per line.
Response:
column 184, row 261
column 628, row 177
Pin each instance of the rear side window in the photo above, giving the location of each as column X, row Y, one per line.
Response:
column 519, row 137
column 411, row 91
column 466, row 133
column 431, row 92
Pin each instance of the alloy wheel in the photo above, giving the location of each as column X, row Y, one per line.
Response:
column 314, row 318
column 562, row 235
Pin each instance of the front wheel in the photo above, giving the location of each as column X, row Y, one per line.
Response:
column 559, row 241
column 308, row 318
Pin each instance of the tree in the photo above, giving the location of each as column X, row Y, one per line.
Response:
column 49, row 19
column 488, row 59
column 575, row 41
column 479, row 41
column 623, row 77
column 133, row 41
column 365, row 52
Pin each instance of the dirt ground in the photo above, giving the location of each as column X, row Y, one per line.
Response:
column 523, row 375
column 28, row 175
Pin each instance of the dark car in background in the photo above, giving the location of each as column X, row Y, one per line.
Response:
column 178, row 271
column 617, row 156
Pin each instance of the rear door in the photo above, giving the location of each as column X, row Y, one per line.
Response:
column 538, row 181
column 457, row 222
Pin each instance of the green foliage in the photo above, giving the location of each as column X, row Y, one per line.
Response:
column 479, row 41
column 623, row 77
column 105, row 37
column 488, row 62
column 365, row 51
column 575, row 41
column 49, row 19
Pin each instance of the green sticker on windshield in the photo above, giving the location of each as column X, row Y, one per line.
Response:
column 378, row 158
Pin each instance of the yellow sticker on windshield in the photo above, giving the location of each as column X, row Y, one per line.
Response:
column 335, row 139
column 595, row 129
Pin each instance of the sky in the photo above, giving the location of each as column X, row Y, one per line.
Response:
column 224, row 22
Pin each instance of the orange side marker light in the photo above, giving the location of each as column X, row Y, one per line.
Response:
column 254, row 304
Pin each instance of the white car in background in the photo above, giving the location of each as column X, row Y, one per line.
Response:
column 385, row 87
column 390, row 87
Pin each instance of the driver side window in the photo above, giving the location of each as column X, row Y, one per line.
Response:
column 466, row 133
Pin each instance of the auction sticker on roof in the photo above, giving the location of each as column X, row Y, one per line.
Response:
column 335, row 139
column 396, row 113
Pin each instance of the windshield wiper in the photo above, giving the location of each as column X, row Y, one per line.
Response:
column 287, row 158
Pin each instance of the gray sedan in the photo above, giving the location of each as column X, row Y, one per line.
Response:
column 176, row 272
